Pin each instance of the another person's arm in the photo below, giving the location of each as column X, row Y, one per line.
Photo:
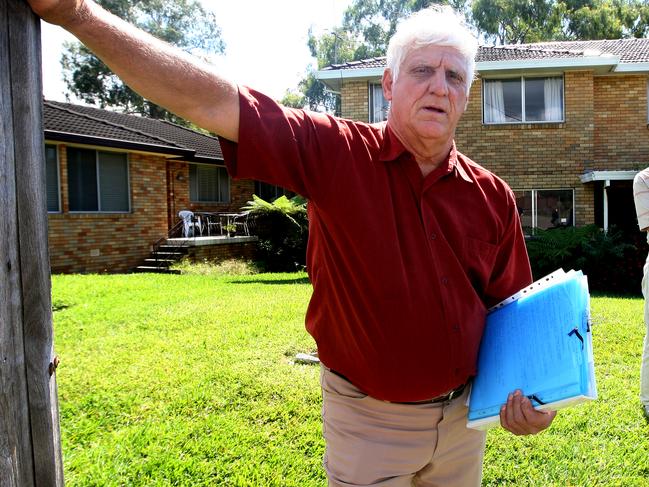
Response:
column 158, row 71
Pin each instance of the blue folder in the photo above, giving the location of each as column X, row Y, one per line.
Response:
column 538, row 341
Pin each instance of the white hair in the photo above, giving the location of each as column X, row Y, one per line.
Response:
column 436, row 25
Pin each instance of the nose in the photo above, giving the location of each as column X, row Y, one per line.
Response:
column 438, row 83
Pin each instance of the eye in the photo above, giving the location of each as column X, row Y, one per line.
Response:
column 455, row 77
column 422, row 70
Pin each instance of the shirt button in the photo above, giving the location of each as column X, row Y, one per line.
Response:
column 433, row 236
column 445, row 280
column 456, row 328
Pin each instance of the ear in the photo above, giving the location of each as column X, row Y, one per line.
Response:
column 387, row 82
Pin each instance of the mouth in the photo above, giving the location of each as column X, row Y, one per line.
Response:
column 434, row 109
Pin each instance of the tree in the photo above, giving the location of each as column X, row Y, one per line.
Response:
column 366, row 29
column 523, row 21
column 374, row 22
column 368, row 26
column 183, row 23
column 607, row 19
column 517, row 21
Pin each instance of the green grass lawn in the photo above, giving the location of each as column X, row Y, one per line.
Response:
column 188, row 380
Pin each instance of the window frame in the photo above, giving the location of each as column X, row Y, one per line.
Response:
column 127, row 161
column 370, row 102
column 534, row 210
column 221, row 169
column 58, row 179
column 262, row 187
column 522, row 78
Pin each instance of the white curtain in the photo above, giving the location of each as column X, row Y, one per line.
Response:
column 379, row 105
column 552, row 92
column 494, row 102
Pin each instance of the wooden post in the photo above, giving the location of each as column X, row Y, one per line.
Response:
column 30, row 450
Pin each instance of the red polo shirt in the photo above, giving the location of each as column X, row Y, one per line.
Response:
column 402, row 266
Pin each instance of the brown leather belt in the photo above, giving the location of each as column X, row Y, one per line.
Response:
column 457, row 392
column 449, row 396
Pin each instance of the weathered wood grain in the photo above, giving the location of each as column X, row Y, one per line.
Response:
column 30, row 452
column 16, row 464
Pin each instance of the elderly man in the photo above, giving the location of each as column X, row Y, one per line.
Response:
column 410, row 241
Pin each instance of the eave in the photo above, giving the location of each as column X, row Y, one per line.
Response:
column 188, row 155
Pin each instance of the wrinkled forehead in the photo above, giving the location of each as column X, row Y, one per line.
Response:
column 434, row 55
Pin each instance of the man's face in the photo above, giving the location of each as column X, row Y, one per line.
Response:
column 429, row 96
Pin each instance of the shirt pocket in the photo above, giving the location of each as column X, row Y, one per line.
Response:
column 478, row 259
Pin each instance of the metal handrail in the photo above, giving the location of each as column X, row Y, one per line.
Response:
column 158, row 243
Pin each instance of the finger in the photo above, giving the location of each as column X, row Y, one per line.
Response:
column 538, row 420
column 518, row 401
column 508, row 416
column 535, row 420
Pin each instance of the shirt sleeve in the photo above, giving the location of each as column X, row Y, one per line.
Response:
column 512, row 270
column 287, row 147
column 641, row 198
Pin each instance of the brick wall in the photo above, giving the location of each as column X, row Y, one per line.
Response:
column 110, row 242
column 178, row 176
column 218, row 253
column 621, row 135
column 538, row 156
column 354, row 101
column 605, row 128
column 117, row 242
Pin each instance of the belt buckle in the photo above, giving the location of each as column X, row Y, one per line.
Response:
column 455, row 393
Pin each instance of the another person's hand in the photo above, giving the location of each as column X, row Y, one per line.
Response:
column 520, row 417
column 59, row 12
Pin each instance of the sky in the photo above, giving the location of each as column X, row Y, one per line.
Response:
column 265, row 42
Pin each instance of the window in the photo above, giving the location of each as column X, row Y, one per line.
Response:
column 546, row 208
column 379, row 106
column 522, row 100
column 208, row 184
column 97, row 181
column 270, row 192
column 52, row 178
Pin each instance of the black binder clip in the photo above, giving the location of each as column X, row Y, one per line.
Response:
column 534, row 397
column 575, row 331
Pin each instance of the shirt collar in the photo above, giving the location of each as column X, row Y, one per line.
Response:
column 392, row 148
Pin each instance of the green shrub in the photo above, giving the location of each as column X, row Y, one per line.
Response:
column 283, row 229
column 612, row 260
column 230, row 267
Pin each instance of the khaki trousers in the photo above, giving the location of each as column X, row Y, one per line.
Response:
column 377, row 443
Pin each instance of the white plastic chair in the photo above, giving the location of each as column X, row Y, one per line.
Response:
column 189, row 223
column 241, row 221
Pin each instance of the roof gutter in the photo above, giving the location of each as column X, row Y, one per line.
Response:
column 333, row 78
column 632, row 68
column 592, row 176
column 117, row 143
column 349, row 73
column 609, row 62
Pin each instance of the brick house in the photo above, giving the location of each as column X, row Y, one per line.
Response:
column 115, row 185
column 564, row 123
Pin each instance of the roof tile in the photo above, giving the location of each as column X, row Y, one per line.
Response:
column 629, row 51
column 103, row 124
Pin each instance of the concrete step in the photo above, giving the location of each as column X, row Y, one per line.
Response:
column 167, row 255
column 172, row 248
column 155, row 270
column 152, row 261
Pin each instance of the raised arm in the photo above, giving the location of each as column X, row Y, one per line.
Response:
column 167, row 76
